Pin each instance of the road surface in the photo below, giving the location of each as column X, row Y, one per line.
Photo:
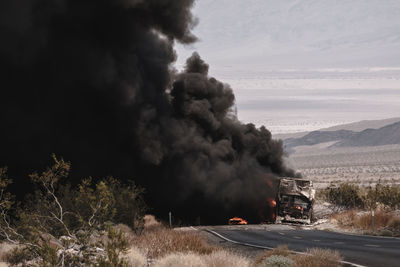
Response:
column 362, row 250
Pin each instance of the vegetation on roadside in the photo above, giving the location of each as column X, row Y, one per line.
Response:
column 349, row 196
column 160, row 241
column 102, row 223
column 355, row 205
column 385, row 223
column 283, row 257
column 61, row 225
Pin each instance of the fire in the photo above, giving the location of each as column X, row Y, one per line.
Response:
column 272, row 202
column 237, row 220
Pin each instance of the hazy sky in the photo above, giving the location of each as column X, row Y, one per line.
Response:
column 297, row 33
column 303, row 65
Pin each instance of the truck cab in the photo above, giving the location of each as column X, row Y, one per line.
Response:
column 295, row 200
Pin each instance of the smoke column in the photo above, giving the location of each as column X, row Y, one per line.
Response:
column 93, row 81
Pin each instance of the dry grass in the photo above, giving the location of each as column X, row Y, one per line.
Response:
column 182, row 260
column 223, row 258
column 345, row 218
column 136, row 258
column 190, row 259
column 384, row 221
column 5, row 248
column 161, row 241
column 318, row 258
column 364, row 221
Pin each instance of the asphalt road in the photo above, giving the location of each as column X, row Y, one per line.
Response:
column 362, row 250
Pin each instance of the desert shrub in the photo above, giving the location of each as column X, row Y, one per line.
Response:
column 162, row 241
column 318, row 258
column 135, row 257
column 222, row 258
column 389, row 195
column 181, row 259
column 352, row 196
column 116, row 247
column 278, row 251
column 61, row 225
column 129, row 204
column 276, row 261
column 346, row 195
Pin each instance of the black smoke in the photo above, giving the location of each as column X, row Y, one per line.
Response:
column 93, row 81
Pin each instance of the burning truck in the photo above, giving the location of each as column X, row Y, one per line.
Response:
column 295, row 200
column 293, row 203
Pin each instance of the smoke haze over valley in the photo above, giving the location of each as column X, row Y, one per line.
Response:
column 303, row 65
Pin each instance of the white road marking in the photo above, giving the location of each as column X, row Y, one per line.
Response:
column 297, row 237
column 256, row 246
column 281, row 233
column 316, row 240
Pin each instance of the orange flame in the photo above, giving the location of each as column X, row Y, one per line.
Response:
column 237, row 220
column 271, row 202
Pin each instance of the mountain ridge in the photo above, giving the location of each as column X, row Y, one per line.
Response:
column 386, row 135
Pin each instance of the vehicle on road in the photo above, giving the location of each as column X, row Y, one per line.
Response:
column 295, row 200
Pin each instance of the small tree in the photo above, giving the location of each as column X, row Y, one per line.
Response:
column 62, row 226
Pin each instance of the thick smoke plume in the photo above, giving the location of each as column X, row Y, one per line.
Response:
column 93, row 82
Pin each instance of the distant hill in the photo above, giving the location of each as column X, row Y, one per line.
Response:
column 317, row 137
column 355, row 127
column 387, row 135
column 363, row 125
